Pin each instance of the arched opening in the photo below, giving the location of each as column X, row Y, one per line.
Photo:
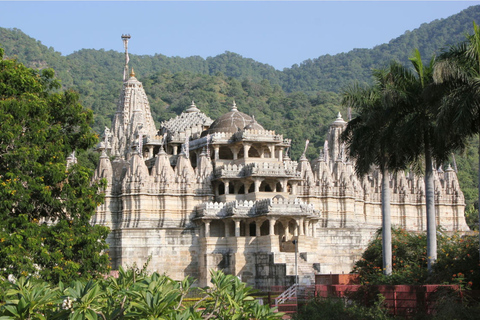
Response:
column 252, row 188
column 221, row 188
column 217, row 229
column 253, row 229
column 278, row 187
column 242, row 228
column 279, row 229
column 241, row 190
column 264, row 228
column 289, row 188
column 231, row 188
column 265, row 187
column 253, row 153
column 241, row 154
column 292, row 226
column 225, row 153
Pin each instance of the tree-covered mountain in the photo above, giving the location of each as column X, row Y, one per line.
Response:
column 298, row 102
column 332, row 73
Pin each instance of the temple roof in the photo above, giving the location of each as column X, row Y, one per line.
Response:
column 234, row 121
column 191, row 118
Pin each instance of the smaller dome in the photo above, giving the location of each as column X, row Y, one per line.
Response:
column 231, row 122
column 254, row 125
column 193, row 108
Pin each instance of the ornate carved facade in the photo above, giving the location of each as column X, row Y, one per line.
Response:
column 199, row 194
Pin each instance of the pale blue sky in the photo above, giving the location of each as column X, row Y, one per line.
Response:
column 280, row 33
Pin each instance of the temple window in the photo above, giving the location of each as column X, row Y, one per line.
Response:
column 231, row 188
column 253, row 153
column 242, row 189
column 221, row 188
column 278, row 187
column 252, row 227
column 264, row 228
column 217, row 229
column 279, row 229
column 225, row 153
column 265, row 187
column 241, row 154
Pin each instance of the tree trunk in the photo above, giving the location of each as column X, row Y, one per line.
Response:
column 430, row 203
column 386, row 225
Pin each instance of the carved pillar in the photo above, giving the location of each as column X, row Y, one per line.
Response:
column 300, row 227
column 175, row 149
column 237, row 227
column 280, row 154
column 217, row 151
column 246, row 147
column 272, row 151
column 314, row 228
column 305, row 227
column 271, row 226
column 207, row 228
column 227, row 187
column 257, row 185
column 258, row 224
column 235, row 151
column 150, row 152
column 295, row 231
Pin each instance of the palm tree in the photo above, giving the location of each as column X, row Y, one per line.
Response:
column 458, row 71
column 407, row 102
column 372, row 141
column 418, row 99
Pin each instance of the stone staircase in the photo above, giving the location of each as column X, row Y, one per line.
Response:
column 306, row 272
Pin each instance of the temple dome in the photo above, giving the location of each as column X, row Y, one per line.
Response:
column 233, row 121
column 254, row 125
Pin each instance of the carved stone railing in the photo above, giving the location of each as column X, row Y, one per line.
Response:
column 230, row 171
column 259, row 135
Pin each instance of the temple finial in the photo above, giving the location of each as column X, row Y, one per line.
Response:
column 234, row 106
column 132, row 74
column 125, row 38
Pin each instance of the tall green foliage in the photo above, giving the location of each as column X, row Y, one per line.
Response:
column 133, row 295
column 45, row 207
column 457, row 261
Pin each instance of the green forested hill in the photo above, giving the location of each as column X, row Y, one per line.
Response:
column 332, row 73
column 96, row 74
column 298, row 102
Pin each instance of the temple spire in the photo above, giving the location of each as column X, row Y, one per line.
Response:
column 125, row 38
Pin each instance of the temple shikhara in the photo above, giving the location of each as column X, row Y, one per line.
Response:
column 198, row 194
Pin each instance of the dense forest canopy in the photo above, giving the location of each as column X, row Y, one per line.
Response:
column 298, row 102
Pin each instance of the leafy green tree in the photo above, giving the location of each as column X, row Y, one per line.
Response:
column 229, row 298
column 372, row 140
column 457, row 261
column 417, row 99
column 458, row 69
column 45, row 206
